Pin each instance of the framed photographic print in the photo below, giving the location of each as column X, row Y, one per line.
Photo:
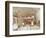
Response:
column 24, row 18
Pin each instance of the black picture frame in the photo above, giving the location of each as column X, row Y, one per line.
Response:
column 7, row 18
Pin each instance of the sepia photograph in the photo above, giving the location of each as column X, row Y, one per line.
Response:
column 25, row 18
